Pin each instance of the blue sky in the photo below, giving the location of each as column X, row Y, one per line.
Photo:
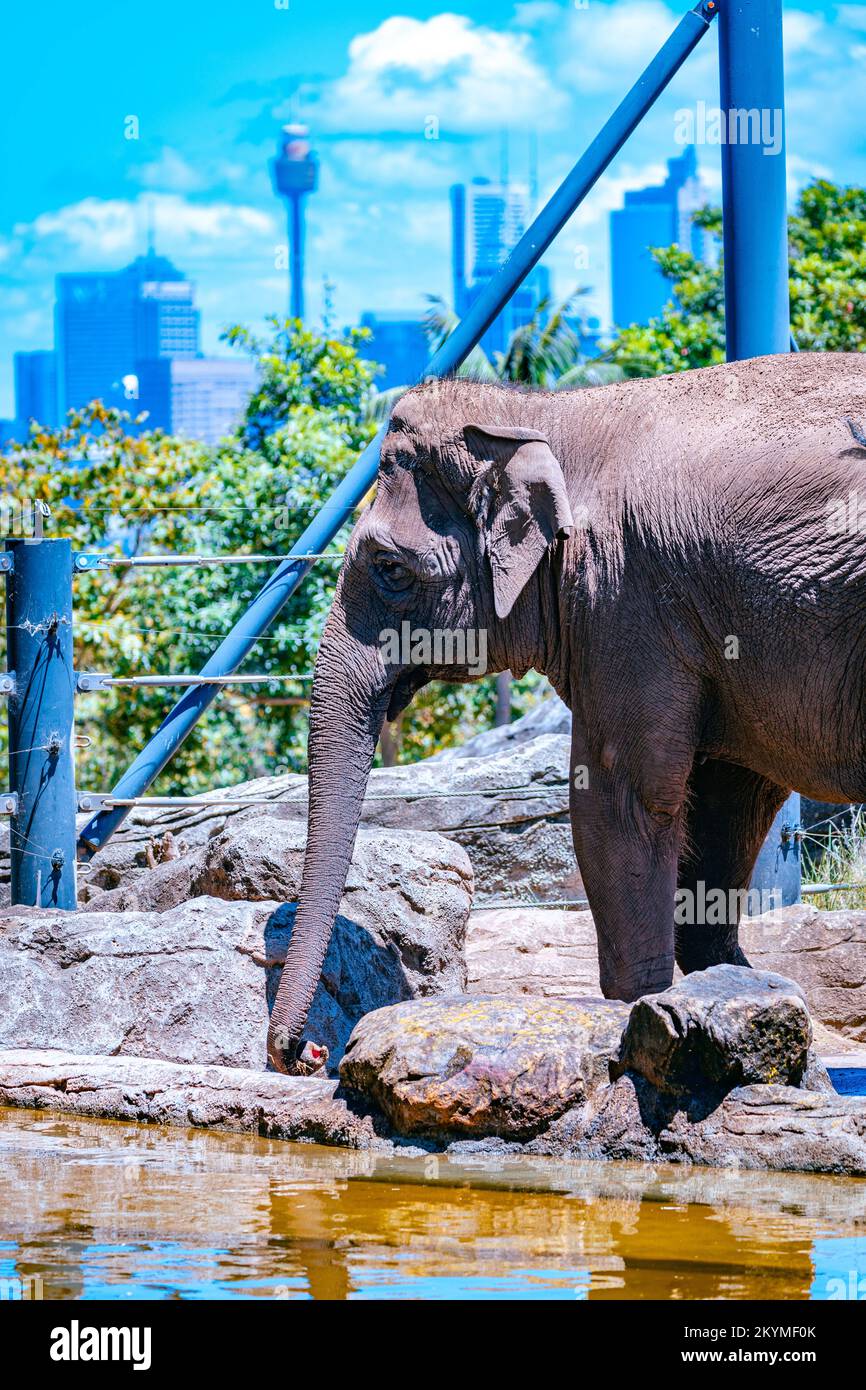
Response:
column 211, row 84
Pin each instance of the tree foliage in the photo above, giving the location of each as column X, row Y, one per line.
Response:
column 827, row 276
column 115, row 487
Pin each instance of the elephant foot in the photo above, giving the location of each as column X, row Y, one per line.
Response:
column 643, row 977
column 695, row 952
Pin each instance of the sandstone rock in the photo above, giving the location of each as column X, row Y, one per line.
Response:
column 825, row 952
column 190, row 984
column 549, row 716
column 718, row 1029
column 183, row 985
column 168, row 1093
column 816, row 1077
column 508, row 809
column 154, row 889
column 550, row 952
column 485, row 1075
column 480, row 1066
column 779, row 1127
column 415, row 889
column 758, row 1127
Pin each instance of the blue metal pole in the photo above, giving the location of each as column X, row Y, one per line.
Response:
column 754, row 192
column 757, row 321
column 337, row 510
column 41, row 714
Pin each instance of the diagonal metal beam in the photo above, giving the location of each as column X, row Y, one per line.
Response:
column 337, row 510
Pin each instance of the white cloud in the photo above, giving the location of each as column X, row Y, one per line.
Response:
column 802, row 171
column 803, row 33
column 172, row 172
column 534, row 13
column 852, row 16
column 169, row 171
column 469, row 77
column 97, row 229
column 393, row 166
column 609, row 45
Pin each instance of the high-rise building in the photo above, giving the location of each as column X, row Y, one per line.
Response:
column 399, row 344
column 36, row 387
column 199, row 398
column 487, row 221
column 660, row 215
column 106, row 322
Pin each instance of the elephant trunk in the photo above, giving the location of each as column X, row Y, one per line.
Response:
column 349, row 699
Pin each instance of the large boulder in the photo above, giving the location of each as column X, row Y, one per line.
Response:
column 191, row 984
column 825, row 952
column 718, row 1029
column 544, row 951
column 550, row 952
column 303, row 1109
column 508, row 809
column 477, row 1066
column 711, row 1070
column 187, row 985
column 410, row 891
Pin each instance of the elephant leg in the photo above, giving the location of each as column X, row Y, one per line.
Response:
column 627, row 838
column 730, row 811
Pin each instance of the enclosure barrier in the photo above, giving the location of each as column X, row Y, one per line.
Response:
column 42, row 799
column 358, row 481
column 41, row 685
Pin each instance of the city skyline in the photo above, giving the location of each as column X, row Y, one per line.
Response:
column 80, row 188
column 131, row 339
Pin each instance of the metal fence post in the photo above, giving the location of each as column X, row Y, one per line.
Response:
column 757, row 320
column 41, row 715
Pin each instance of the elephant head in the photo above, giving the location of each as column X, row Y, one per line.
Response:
column 433, row 586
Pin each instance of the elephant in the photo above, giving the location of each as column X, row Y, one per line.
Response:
column 684, row 558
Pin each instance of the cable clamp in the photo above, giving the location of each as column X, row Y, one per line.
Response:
column 87, row 681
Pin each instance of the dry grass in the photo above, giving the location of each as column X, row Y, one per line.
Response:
column 837, row 854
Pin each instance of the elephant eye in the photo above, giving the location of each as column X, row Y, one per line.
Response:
column 393, row 571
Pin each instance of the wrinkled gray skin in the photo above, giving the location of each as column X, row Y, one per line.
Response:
column 616, row 539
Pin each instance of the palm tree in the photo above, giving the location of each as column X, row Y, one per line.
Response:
column 543, row 352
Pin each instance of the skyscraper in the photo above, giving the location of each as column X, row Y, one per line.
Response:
column 656, row 216
column 36, row 387
column 487, row 221
column 199, row 398
column 399, row 344
column 107, row 322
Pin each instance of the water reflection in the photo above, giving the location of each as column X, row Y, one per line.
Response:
column 108, row 1209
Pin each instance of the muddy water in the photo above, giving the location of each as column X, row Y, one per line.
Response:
column 96, row 1209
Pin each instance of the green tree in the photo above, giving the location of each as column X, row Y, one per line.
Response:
column 827, row 275
column 114, row 486
column 827, row 236
column 543, row 352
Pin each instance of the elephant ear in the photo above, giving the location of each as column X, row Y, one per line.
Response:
column 521, row 504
